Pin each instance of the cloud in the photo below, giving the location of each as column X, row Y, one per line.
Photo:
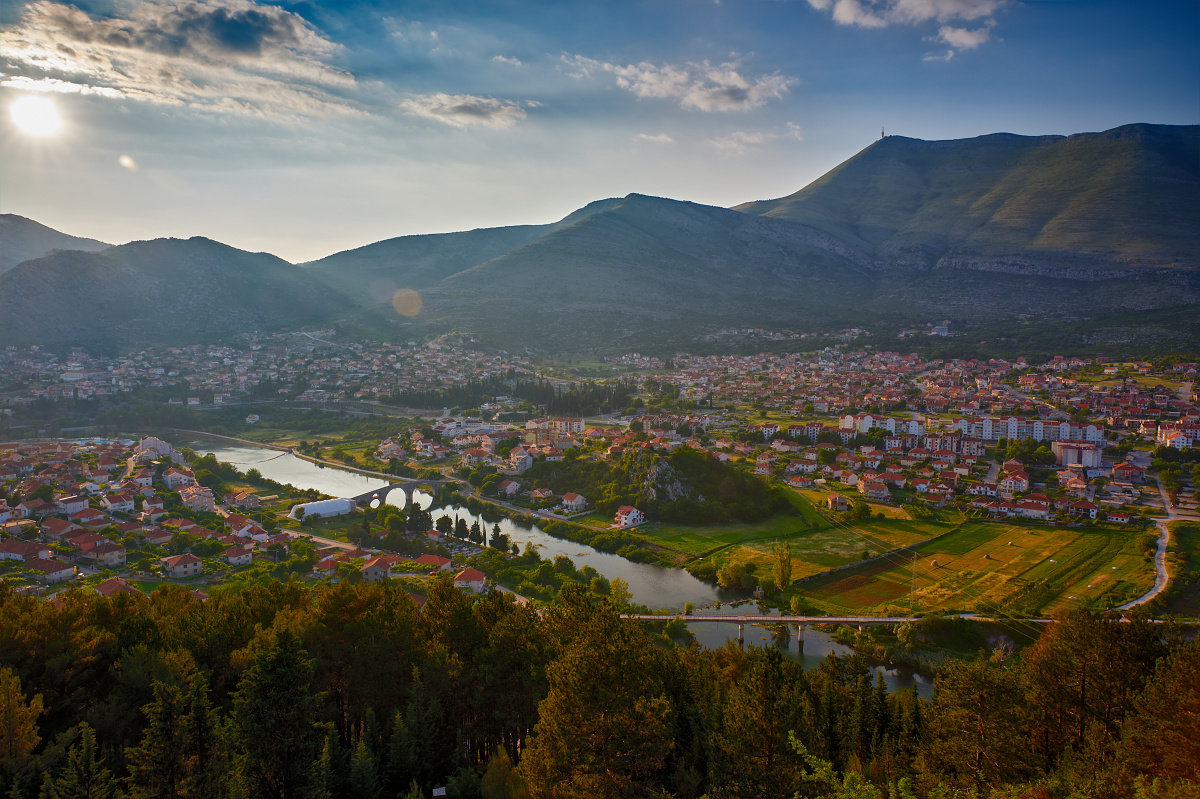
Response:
column 738, row 142
column 512, row 62
column 465, row 110
column 656, row 138
column 701, row 86
column 226, row 56
column 883, row 13
column 964, row 39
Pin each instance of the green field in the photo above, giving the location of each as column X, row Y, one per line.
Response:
column 996, row 567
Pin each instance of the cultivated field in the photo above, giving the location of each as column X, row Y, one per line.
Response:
column 995, row 567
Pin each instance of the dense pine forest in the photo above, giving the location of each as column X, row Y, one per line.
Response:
column 354, row 690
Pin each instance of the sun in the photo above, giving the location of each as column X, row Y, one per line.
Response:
column 36, row 116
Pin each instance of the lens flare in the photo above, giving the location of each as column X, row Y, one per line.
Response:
column 407, row 302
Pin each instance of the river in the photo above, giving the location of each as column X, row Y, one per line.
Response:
column 653, row 586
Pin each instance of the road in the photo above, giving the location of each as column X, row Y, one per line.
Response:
column 1162, row 577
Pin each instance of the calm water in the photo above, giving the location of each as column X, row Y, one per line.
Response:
column 652, row 586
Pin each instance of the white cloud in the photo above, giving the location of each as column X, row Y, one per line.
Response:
column 702, row 86
column 963, row 38
column 512, row 62
column 227, row 56
column 465, row 110
column 883, row 13
column 656, row 138
column 738, row 142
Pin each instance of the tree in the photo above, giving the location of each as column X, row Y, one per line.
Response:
column 179, row 753
column 18, row 722
column 603, row 729
column 274, row 717
column 445, row 525
column 783, row 565
column 977, row 732
column 752, row 752
column 364, row 777
column 84, row 775
column 619, row 593
column 461, row 530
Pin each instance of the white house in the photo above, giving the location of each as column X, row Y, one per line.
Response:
column 628, row 516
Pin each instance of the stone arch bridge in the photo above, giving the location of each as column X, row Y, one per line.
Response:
column 378, row 497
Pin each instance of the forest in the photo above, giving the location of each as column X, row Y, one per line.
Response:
column 362, row 690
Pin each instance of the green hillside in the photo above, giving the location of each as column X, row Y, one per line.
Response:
column 1125, row 198
column 22, row 239
column 166, row 291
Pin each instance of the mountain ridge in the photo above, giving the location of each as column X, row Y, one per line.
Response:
column 1061, row 229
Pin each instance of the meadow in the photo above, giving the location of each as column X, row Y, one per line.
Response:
column 991, row 567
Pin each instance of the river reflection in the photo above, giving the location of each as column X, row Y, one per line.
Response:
column 655, row 587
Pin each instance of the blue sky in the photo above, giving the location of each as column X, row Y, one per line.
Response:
column 306, row 128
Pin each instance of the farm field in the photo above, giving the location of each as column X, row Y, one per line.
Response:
column 996, row 567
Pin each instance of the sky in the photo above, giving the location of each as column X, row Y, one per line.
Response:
column 303, row 129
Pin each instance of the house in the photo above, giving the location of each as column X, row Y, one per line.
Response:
column 72, row 504
column 243, row 499
column 117, row 503
column 508, row 488
column 1119, row 517
column 184, row 565
column 1082, row 507
column 1127, row 472
column 237, row 556
column 838, row 502
column 472, row 580
column 175, row 479
column 541, row 494
column 23, row 550
column 380, row 567
column 573, row 502
column 49, row 570
column 628, row 516
column 55, row 529
column 875, row 490
column 114, row 586
column 198, row 498
column 437, row 561
column 108, row 553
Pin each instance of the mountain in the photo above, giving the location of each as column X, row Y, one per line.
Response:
column 1088, row 206
column 24, row 239
column 371, row 274
column 648, row 269
column 1079, row 241
column 160, row 292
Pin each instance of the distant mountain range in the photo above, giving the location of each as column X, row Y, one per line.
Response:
column 1083, row 234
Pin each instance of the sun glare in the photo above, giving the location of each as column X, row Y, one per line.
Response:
column 36, row 116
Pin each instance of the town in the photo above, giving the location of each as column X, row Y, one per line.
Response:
column 847, row 436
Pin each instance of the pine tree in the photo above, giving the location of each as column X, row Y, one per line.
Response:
column 364, row 778
column 604, row 728
column 274, row 715
column 18, row 722
column 179, row 755
column 84, row 775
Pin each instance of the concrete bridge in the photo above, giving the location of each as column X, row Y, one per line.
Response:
column 800, row 621
column 378, row 497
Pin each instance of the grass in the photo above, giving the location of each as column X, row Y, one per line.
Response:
column 996, row 567
column 1183, row 597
